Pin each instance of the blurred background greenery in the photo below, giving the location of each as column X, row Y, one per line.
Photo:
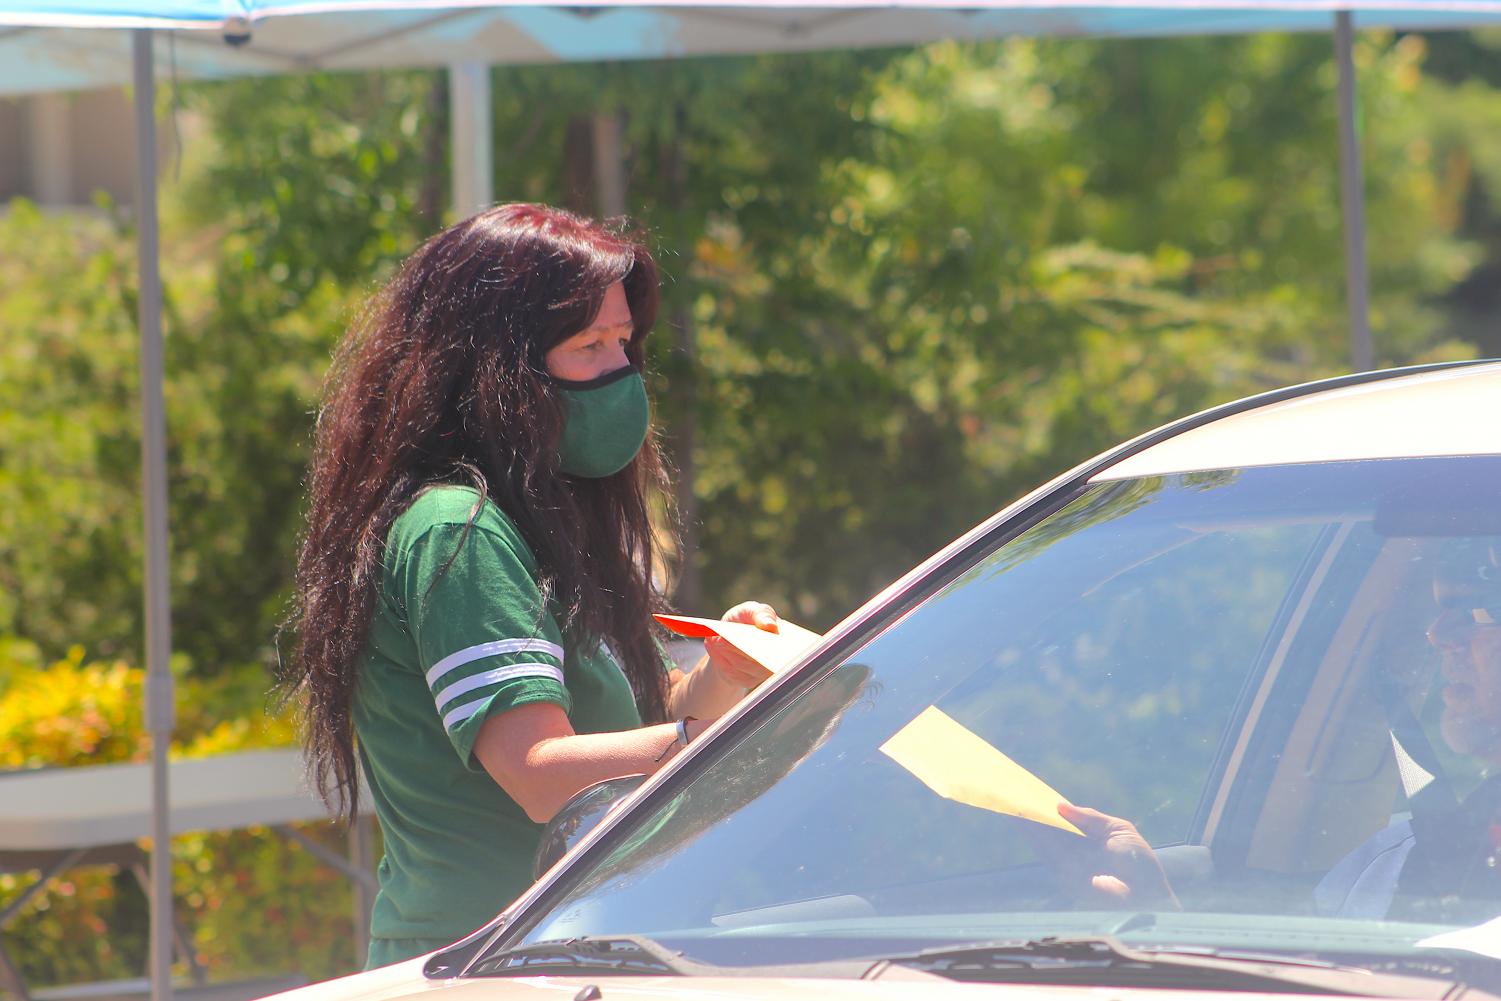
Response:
column 902, row 287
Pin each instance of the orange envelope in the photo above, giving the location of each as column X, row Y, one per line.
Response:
column 773, row 651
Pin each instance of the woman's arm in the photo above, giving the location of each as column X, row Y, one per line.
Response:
column 533, row 754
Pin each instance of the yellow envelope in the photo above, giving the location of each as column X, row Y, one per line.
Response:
column 773, row 651
column 958, row 764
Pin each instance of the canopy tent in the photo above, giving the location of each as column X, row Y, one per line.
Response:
column 49, row 45
column 224, row 38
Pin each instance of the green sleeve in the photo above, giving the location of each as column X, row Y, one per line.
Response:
column 483, row 636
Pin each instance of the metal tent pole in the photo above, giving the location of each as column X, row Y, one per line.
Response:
column 472, row 138
column 1352, row 196
column 159, row 702
column 609, row 163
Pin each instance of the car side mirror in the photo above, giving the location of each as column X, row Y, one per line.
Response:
column 579, row 816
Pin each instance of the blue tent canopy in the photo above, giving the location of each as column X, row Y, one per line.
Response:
column 40, row 48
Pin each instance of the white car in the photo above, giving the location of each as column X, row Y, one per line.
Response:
column 1265, row 640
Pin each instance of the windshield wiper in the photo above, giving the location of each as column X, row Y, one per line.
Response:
column 617, row 955
column 1104, row 961
column 1085, row 961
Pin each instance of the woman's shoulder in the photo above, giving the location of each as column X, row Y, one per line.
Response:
column 446, row 506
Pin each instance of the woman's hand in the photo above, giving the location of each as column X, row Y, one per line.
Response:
column 728, row 663
column 1117, row 866
column 724, row 675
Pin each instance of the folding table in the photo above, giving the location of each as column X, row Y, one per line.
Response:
column 56, row 819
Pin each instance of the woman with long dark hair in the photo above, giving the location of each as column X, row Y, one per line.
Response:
column 476, row 583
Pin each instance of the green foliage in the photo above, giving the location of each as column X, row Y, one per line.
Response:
column 1089, row 239
column 70, row 536
column 315, row 184
column 70, row 713
column 901, row 288
column 68, row 450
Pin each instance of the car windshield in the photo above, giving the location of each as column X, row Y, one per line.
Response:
column 1287, row 679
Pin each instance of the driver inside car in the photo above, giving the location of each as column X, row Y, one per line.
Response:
column 1440, row 863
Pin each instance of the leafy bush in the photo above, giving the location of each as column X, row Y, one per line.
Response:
column 239, row 392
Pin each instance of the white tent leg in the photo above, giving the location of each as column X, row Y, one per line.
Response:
column 1352, row 195
column 159, row 702
column 609, row 163
column 49, row 147
column 473, row 138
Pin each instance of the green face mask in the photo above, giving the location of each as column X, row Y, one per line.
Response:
column 604, row 422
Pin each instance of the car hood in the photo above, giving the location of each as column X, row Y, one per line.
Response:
column 405, row 981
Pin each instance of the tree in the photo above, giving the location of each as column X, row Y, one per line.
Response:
column 902, row 286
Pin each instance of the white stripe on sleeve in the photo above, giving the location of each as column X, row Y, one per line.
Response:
column 492, row 649
column 460, row 714
column 469, row 684
column 468, row 709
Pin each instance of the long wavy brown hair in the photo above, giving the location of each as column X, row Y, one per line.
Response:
column 443, row 381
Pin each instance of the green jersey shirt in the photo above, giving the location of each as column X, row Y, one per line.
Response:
column 460, row 633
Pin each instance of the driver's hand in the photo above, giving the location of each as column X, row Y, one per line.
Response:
column 1119, row 866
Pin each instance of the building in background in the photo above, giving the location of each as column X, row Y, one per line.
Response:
column 60, row 149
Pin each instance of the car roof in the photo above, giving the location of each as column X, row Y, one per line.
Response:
column 1427, row 412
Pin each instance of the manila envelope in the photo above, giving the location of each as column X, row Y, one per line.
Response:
column 958, row 764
